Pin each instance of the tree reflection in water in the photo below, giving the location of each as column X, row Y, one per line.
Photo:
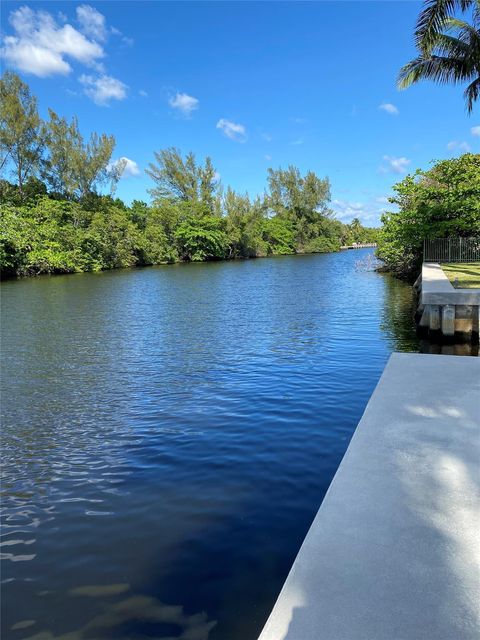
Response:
column 399, row 324
column 132, row 616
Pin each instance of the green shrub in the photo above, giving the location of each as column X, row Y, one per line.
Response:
column 441, row 202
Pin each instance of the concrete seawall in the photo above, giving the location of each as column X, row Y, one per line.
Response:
column 393, row 553
column 444, row 309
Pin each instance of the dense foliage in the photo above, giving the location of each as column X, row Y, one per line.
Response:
column 441, row 202
column 55, row 221
column 41, row 234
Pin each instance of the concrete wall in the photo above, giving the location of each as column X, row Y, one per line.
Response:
column 443, row 308
column 437, row 288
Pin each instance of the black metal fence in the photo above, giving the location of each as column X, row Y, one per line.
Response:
column 452, row 250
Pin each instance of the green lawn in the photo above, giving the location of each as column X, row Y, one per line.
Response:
column 468, row 274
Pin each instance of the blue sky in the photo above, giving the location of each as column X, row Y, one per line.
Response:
column 251, row 84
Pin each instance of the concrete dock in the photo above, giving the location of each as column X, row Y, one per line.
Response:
column 394, row 551
column 446, row 309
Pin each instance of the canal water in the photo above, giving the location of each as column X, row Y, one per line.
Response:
column 169, row 434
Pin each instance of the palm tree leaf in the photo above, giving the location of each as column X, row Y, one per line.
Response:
column 439, row 68
column 472, row 93
column 464, row 30
column 476, row 13
column 448, row 45
column 449, row 48
column 433, row 17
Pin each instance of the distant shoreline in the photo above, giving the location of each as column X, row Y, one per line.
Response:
column 10, row 277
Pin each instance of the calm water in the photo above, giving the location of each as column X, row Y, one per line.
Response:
column 169, row 434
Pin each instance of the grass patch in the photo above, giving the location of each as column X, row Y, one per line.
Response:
column 467, row 273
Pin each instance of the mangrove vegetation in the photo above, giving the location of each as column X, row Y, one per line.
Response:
column 60, row 213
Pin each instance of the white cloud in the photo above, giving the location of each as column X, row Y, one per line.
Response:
column 267, row 157
column 143, row 93
column 184, row 103
column 92, row 22
column 266, row 136
column 130, row 167
column 298, row 141
column 389, row 108
column 29, row 58
column 127, row 41
column 103, row 88
column 232, row 130
column 382, row 200
column 368, row 212
column 347, row 209
column 40, row 45
column 299, row 120
column 394, row 165
column 462, row 147
column 475, row 131
column 216, row 177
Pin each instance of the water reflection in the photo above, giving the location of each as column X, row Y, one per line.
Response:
column 130, row 617
column 400, row 304
column 449, row 348
column 398, row 314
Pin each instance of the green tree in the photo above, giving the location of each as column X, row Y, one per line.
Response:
column 356, row 230
column 31, row 190
column 449, row 48
column 279, row 236
column 441, row 202
column 243, row 225
column 75, row 167
column 110, row 241
column 139, row 213
column 179, row 179
column 202, row 239
column 156, row 246
column 301, row 200
column 21, row 131
column 39, row 239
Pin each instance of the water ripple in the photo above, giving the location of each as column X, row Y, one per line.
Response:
column 174, row 429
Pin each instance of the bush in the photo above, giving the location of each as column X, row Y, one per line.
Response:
column 279, row 236
column 441, row 202
column 201, row 239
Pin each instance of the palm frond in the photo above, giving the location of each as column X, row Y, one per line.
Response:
column 464, row 31
column 433, row 17
column 476, row 13
column 441, row 69
column 472, row 93
column 451, row 46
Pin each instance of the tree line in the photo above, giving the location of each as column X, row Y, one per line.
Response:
column 57, row 220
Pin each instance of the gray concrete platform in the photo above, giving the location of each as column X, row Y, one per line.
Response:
column 437, row 288
column 393, row 553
